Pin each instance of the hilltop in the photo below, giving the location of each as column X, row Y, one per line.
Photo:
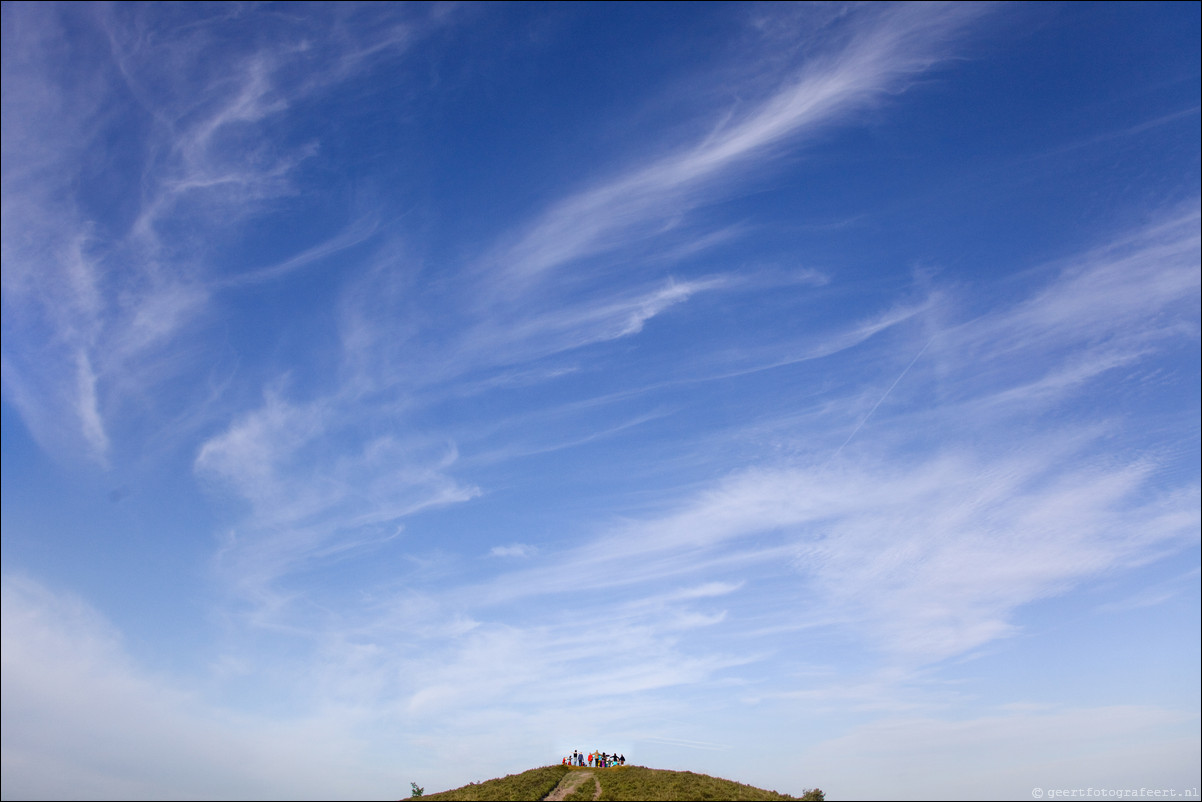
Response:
column 619, row 783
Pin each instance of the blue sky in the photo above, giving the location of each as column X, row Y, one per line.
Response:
column 806, row 395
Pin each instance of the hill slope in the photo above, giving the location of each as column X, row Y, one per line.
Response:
column 624, row 783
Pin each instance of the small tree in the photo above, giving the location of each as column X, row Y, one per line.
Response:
column 417, row 790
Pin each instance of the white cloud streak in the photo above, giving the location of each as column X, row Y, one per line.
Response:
column 890, row 49
column 521, row 550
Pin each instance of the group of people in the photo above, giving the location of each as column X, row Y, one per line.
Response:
column 599, row 760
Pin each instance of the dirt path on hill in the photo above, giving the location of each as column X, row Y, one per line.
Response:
column 570, row 782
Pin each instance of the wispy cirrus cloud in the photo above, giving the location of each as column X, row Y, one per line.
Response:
column 931, row 559
column 522, row 335
column 100, row 279
column 930, row 519
column 513, row 550
column 1106, row 309
column 317, row 489
column 883, row 52
column 1134, row 289
column 932, row 549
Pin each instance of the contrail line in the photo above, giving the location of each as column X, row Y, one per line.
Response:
column 881, row 400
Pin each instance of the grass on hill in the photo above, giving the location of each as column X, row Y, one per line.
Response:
column 637, row 782
column 533, row 784
column 618, row 784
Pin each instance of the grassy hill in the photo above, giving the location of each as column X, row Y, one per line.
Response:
column 624, row 783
